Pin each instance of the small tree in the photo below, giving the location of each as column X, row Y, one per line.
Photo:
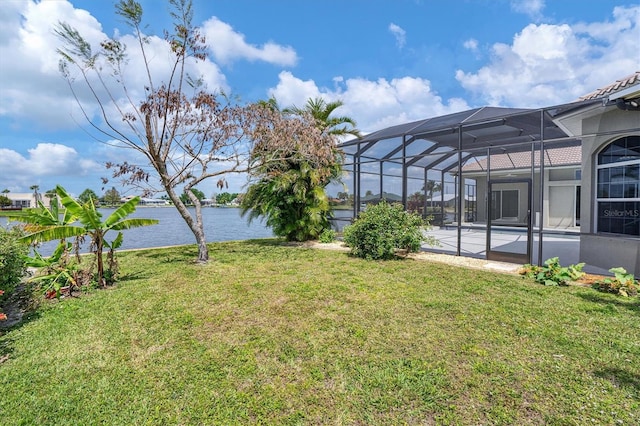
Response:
column 382, row 229
column 186, row 199
column 36, row 194
column 5, row 201
column 88, row 195
column 52, row 196
column 226, row 197
column 45, row 227
column 291, row 194
column 111, row 197
column 185, row 132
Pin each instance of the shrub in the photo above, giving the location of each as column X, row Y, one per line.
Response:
column 327, row 236
column 55, row 273
column 622, row 283
column 12, row 266
column 552, row 273
column 382, row 229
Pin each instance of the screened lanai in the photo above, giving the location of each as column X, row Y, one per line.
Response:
column 476, row 171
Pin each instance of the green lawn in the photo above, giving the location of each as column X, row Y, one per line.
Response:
column 274, row 334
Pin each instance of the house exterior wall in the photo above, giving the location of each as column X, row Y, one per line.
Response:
column 26, row 200
column 604, row 250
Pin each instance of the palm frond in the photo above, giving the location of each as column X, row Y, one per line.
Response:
column 58, row 232
column 133, row 223
column 121, row 212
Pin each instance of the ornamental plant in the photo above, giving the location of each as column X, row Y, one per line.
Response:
column 622, row 283
column 43, row 225
column 327, row 236
column 383, row 229
column 552, row 273
column 55, row 272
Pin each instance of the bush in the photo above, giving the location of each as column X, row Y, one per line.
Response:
column 622, row 283
column 552, row 273
column 382, row 229
column 327, row 236
column 12, row 266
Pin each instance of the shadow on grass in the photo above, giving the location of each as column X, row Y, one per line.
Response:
column 610, row 301
column 135, row 276
column 269, row 242
column 171, row 254
column 620, row 377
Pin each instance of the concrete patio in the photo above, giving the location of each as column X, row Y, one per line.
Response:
column 566, row 246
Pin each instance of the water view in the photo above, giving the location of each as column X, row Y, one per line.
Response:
column 220, row 224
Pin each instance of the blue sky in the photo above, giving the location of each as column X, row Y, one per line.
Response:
column 388, row 61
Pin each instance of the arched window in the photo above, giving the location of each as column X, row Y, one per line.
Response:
column 618, row 187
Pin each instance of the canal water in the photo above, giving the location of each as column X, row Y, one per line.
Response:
column 220, row 224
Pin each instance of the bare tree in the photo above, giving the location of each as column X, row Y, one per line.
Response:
column 186, row 133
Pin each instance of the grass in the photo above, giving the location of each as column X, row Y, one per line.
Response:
column 272, row 334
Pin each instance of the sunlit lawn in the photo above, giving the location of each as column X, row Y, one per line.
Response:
column 274, row 334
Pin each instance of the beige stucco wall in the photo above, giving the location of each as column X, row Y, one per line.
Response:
column 27, row 198
column 605, row 251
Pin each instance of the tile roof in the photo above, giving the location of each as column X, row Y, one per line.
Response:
column 565, row 156
column 614, row 87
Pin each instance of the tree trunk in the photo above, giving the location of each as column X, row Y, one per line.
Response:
column 203, row 250
column 99, row 247
column 196, row 226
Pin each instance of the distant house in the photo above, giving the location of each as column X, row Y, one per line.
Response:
column 448, row 201
column 376, row 198
column 151, row 202
column 26, row 200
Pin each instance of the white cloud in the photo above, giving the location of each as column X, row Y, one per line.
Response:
column 550, row 64
column 399, row 34
column 38, row 92
column 532, row 8
column 374, row 104
column 46, row 160
column 471, row 44
column 228, row 46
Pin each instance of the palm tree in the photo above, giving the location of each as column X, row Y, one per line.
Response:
column 36, row 196
column 291, row 195
column 321, row 111
column 45, row 225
